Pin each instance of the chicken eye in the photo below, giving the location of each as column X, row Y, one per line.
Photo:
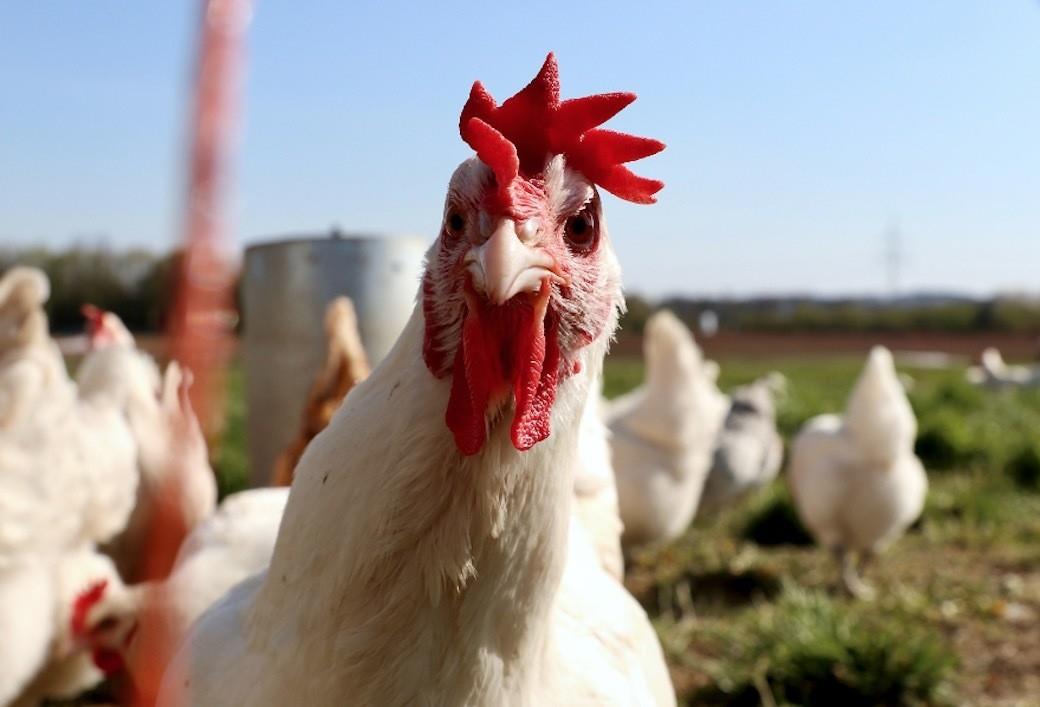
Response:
column 455, row 223
column 581, row 231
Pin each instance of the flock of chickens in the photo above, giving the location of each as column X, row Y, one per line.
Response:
column 456, row 526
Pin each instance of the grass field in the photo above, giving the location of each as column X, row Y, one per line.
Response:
column 748, row 613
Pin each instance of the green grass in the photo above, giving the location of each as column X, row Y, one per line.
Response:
column 230, row 459
column 807, row 649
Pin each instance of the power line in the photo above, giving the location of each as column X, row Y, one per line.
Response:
column 893, row 257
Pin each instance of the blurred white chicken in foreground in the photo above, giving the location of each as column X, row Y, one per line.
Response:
column 147, row 620
column 96, row 617
column 428, row 553
column 856, row 482
column 88, row 593
column 749, row 450
column 663, row 435
column 167, row 435
column 68, row 480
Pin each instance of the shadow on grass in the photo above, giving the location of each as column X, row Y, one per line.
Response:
column 695, row 591
column 775, row 522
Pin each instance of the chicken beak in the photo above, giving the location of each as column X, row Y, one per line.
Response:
column 505, row 265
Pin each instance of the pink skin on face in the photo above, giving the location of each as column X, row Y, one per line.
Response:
column 516, row 285
column 522, row 270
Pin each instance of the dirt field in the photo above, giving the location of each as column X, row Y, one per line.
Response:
column 727, row 344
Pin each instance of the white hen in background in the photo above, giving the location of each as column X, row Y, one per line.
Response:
column 116, row 373
column 855, row 480
column 994, row 372
column 749, row 450
column 32, row 370
column 345, row 365
column 663, row 435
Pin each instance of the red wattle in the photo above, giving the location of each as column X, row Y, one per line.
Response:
column 107, row 661
column 512, row 347
column 473, row 376
column 535, row 386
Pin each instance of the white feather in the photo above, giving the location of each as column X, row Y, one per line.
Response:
column 855, row 480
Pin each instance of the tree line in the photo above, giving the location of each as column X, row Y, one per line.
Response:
column 811, row 315
column 136, row 284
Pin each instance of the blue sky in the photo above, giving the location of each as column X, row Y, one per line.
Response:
column 798, row 131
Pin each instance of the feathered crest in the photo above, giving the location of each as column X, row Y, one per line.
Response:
column 519, row 136
column 84, row 602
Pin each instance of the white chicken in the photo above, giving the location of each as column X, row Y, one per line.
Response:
column 346, row 365
column 32, row 370
column 98, row 626
column 88, row 589
column 166, row 432
column 423, row 557
column 994, row 372
column 856, row 483
column 101, row 626
column 27, row 597
column 749, row 451
column 67, row 480
column 595, row 490
column 234, row 543
column 663, row 435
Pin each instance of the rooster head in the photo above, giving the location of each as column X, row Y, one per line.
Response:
column 522, row 277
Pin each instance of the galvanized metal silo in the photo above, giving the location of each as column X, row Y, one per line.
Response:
column 286, row 285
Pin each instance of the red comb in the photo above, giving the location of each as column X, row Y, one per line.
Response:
column 91, row 313
column 95, row 316
column 84, row 602
column 522, row 134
